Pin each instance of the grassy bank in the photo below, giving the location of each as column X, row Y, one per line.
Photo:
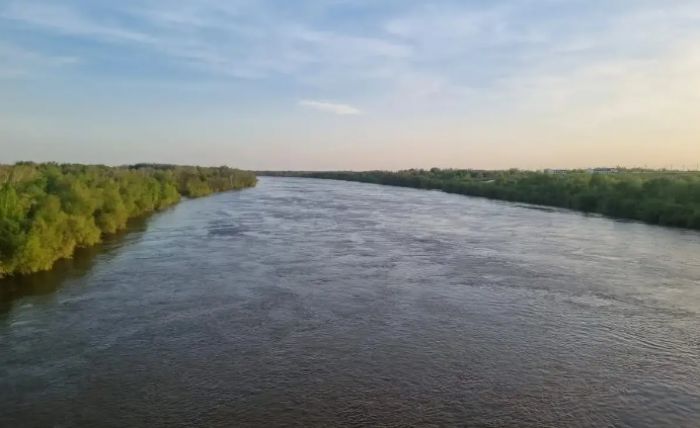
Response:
column 658, row 197
column 48, row 210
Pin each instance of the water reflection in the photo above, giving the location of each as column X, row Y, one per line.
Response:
column 13, row 289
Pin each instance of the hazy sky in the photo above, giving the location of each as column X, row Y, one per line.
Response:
column 352, row 84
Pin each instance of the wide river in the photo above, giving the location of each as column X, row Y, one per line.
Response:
column 316, row 303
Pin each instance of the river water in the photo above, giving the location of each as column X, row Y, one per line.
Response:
column 313, row 303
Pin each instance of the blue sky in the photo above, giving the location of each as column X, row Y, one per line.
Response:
column 351, row 84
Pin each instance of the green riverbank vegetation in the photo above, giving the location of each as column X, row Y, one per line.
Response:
column 669, row 198
column 48, row 210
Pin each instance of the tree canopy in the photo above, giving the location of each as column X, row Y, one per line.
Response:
column 48, row 210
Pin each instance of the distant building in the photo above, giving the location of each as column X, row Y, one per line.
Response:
column 603, row 170
column 555, row 171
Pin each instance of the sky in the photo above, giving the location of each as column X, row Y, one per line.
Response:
column 361, row 84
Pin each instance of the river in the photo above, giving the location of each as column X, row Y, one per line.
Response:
column 307, row 302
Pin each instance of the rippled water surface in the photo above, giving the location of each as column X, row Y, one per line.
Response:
column 312, row 302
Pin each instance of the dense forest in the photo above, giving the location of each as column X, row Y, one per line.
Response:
column 669, row 198
column 48, row 210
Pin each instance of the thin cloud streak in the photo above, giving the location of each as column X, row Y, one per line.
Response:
column 335, row 108
column 17, row 62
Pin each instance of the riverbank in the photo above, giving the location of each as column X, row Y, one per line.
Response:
column 665, row 198
column 49, row 210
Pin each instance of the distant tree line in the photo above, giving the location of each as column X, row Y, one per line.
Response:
column 48, row 210
column 658, row 197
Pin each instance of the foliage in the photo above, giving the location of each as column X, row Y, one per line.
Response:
column 48, row 210
column 670, row 198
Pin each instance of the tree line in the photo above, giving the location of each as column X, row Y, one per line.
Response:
column 658, row 197
column 48, row 210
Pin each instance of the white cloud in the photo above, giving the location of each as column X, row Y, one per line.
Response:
column 335, row 108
